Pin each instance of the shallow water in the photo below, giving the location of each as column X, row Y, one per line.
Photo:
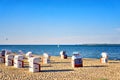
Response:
column 87, row 51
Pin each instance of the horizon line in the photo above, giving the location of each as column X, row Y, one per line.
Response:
column 69, row 44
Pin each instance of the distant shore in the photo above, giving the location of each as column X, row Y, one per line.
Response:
column 105, row 44
column 60, row 69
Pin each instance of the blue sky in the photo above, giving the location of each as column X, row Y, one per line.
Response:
column 59, row 21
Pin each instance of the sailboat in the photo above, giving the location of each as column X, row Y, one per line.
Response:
column 58, row 45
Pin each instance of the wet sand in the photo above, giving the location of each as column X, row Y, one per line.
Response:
column 60, row 69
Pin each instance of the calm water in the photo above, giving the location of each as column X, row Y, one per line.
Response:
column 87, row 51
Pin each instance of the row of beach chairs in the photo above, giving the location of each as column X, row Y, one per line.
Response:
column 17, row 61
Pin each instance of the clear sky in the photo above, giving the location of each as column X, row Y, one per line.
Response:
column 59, row 21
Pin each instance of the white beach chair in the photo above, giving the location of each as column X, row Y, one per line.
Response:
column 9, row 60
column 77, row 60
column 63, row 55
column 104, row 57
column 18, row 61
column 46, row 58
column 29, row 55
column 34, row 65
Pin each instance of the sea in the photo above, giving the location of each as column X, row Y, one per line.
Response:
column 86, row 51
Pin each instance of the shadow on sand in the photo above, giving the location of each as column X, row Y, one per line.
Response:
column 41, row 66
column 114, row 62
column 63, row 70
column 97, row 66
column 59, row 62
column 26, row 66
column 47, row 66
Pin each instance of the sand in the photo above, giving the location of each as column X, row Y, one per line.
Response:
column 60, row 69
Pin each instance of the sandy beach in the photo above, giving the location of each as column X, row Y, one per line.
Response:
column 60, row 69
